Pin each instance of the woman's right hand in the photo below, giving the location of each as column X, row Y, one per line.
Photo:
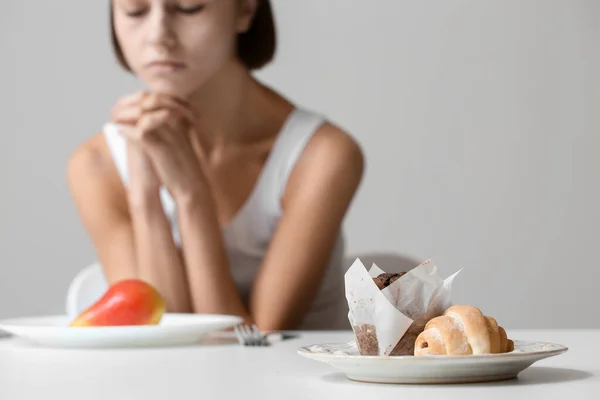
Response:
column 143, row 180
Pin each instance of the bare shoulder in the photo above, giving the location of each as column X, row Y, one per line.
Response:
column 90, row 169
column 333, row 150
column 332, row 161
column 90, row 158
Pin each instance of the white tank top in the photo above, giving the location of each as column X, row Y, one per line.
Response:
column 248, row 234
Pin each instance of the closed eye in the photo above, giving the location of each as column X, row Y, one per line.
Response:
column 190, row 9
column 137, row 13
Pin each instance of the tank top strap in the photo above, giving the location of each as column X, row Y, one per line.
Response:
column 293, row 138
column 118, row 149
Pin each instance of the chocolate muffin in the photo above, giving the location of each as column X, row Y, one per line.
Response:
column 366, row 334
column 386, row 279
column 406, row 345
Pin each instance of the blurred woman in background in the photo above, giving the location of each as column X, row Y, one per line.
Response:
column 209, row 185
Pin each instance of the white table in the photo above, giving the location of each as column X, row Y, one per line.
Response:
column 226, row 370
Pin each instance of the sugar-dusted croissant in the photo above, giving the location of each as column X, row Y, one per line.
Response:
column 462, row 330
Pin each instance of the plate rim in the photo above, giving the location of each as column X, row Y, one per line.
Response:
column 9, row 324
column 305, row 352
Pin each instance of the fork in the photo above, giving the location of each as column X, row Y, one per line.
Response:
column 250, row 336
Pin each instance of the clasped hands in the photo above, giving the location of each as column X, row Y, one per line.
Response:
column 161, row 134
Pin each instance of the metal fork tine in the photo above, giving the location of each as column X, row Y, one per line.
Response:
column 257, row 338
column 239, row 335
column 257, row 335
column 262, row 339
column 243, row 335
column 250, row 335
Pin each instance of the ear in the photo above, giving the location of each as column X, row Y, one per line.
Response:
column 246, row 11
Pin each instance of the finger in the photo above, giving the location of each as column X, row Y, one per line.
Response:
column 126, row 103
column 137, row 135
column 150, row 123
column 130, row 133
column 170, row 118
column 154, row 102
column 164, row 96
column 128, row 115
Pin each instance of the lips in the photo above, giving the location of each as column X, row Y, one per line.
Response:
column 165, row 65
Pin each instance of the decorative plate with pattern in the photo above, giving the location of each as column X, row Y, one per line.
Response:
column 431, row 369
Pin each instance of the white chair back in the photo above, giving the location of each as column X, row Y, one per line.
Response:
column 85, row 289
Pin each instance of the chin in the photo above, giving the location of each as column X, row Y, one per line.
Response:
column 175, row 89
column 180, row 84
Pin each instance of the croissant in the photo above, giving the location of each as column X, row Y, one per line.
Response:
column 462, row 330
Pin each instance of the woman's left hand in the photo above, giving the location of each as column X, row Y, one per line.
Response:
column 165, row 129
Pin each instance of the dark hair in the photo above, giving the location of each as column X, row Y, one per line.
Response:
column 255, row 48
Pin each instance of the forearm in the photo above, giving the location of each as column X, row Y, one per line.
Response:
column 211, row 282
column 157, row 259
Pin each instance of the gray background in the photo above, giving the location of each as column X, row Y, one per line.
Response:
column 479, row 120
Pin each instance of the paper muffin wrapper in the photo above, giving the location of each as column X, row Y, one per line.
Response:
column 387, row 314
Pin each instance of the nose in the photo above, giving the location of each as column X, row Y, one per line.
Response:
column 161, row 32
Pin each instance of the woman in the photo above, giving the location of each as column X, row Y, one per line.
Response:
column 210, row 186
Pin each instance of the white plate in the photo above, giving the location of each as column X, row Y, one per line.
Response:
column 431, row 369
column 173, row 330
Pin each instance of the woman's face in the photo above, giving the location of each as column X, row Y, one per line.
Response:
column 175, row 46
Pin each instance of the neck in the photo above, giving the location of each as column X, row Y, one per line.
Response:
column 226, row 105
